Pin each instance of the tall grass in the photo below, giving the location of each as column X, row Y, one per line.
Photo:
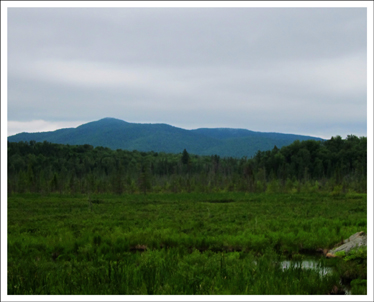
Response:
column 221, row 243
column 167, row 271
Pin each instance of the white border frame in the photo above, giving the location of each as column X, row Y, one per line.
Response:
column 75, row 4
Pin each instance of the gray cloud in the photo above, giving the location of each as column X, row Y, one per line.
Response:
column 295, row 70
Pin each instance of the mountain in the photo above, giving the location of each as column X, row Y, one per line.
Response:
column 118, row 134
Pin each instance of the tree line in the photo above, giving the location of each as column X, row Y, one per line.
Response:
column 338, row 165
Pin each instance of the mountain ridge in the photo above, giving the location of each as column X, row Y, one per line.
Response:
column 118, row 134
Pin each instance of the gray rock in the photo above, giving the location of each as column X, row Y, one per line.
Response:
column 355, row 241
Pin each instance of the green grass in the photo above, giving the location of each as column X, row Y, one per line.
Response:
column 195, row 243
column 171, row 271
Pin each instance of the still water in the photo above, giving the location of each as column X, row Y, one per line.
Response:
column 311, row 264
column 307, row 264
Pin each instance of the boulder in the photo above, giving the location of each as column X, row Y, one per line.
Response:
column 354, row 241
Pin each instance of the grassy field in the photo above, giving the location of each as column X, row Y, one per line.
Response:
column 224, row 243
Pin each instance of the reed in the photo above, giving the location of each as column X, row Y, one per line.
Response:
column 192, row 243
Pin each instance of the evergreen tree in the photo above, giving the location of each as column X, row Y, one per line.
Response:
column 185, row 157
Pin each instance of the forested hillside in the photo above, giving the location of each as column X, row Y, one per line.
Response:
column 118, row 134
column 338, row 165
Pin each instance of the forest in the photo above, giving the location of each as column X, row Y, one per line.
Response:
column 335, row 165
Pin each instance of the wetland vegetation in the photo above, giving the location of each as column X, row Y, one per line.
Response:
column 84, row 220
column 180, row 243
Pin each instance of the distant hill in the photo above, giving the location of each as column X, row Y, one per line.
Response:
column 118, row 134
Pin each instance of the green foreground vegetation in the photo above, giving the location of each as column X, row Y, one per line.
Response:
column 85, row 220
column 182, row 243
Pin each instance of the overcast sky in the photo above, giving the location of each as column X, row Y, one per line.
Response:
column 289, row 70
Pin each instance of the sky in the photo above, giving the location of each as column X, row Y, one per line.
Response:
column 278, row 69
